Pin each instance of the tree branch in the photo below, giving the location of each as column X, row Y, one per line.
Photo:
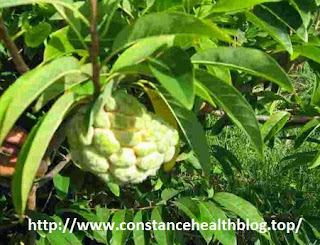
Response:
column 294, row 119
column 20, row 65
column 57, row 169
column 94, row 46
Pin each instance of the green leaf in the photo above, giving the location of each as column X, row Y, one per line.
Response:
column 62, row 85
column 61, row 183
column 275, row 28
column 306, row 132
column 35, row 148
column 211, row 213
column 62, row 42
column 13, row 104
column 142, row 50
column 74, row 21
column 315, row 161
column 235, row 105
column 103, row 214
column 175, row 73
column 310, row 52
column 202, row 92
column 299, row 159
column 274, row 125
column 120, row 236
column 99, row 235
column 192, row 209
column 7, row 4
column 68, row 237
column 164, row 23
column 224, row 155
column 315, row 100
column 231, row 5
column 207, row 212
column 226, row 167
column 17, row 189
column 114, row 188
column 107, row 10
column 305, row 9
column 163, row 237
column 195, row 136
column 169, row 193
column 190, row 158
column 289, row 16
column 269, row 96
column 240, row 207
column 66, row 3
column 139, row 236
column 313, row 222
column 36, row 35
column 257, row 63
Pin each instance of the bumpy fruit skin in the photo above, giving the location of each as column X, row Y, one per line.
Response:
column 126, row 143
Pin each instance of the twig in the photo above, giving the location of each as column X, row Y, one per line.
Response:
column 294, row 119
column 57, row 169
column 47, row 201
column 21, row 66
column 134, row 209
column 31, row 206
column 94, row 46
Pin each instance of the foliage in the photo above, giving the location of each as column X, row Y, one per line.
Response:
column 252, row 65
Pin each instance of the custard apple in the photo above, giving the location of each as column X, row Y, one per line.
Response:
column 125, row 143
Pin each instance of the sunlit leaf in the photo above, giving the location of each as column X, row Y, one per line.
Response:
column 274, row 125
column 256, row 62
column 231, row 5
column 35, row 148
column 240, row 207
column 13, row 104
column 120, row 236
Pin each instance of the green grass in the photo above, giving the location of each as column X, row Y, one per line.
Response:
column 266, row 184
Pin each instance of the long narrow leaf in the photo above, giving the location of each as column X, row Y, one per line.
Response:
column 195, row 136
column 273, row 126
column 306, row 132
column 231, row 5
column 240, row 207
column 164, row 23
column 139, row 237
column 32, row 84
column 175, row 73
column 163, row 237
column 192, row 209
column 276, row 29
column 316, row 161
column 212, row 213
column 141, row 51
column 30, row 158
column 66, row 3
column 120, row 236
column 252, row 61
column 235, row 105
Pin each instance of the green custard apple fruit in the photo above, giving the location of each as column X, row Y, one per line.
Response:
column 125, row 144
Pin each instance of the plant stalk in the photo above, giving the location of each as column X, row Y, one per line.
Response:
column 18, row 61
column 95, row 47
